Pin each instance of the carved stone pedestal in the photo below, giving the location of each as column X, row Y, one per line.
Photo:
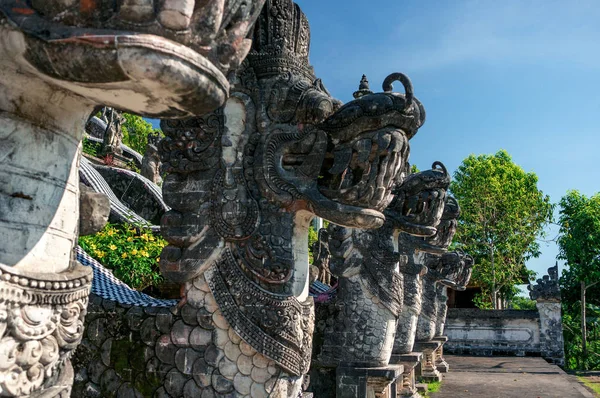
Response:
column 429, row 370
column 382, row 382
column 412, row 369
column 41, row 324
column 440, row 363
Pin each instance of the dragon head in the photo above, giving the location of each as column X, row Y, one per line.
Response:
column 167, row 59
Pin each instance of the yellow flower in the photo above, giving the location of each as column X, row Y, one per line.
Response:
column 112, row 247
column 151, row 238
column 100, row 254
column 134, row 252
column 145, row 253
column 158, row 259
column 110, row 232
column 130, row 239
column 144, row 237
column 124, row 255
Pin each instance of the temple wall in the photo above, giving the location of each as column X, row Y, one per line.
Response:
column 493, row 332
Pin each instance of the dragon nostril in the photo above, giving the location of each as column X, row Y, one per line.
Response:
column 176, row 14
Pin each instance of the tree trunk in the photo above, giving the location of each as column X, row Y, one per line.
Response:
column 494, row 292
column 583, row 327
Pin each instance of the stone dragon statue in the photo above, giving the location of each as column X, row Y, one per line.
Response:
column 415, row 245
column 371, row 272
column 457, row 276
column 439, row 265
column 445, row 270
column 163, row 60
column 244, row 183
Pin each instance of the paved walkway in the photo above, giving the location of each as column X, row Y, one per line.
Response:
column 507, row 377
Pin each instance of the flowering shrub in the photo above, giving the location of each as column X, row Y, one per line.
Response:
column 131, row 253
column 109, row 160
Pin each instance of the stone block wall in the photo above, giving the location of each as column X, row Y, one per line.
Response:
column 493, row 332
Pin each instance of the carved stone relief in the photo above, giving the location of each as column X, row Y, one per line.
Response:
column 244, row 183
column 58, row 61
column 423, row 200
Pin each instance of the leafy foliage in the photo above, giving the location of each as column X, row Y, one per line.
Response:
column 502, row 214
column 579, row 238
column 579, row 246
column 91, row 147
column 136, row 131
column 131, row 253
column 522, row 303
column 574, row 357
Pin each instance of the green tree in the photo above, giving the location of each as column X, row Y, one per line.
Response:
column 579, row 246
column 502, row 214
column 136, row 131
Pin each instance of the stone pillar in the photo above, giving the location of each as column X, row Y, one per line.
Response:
column 429, row 369
column 412, row 369
column 440, row 362
column 546, row 293
column 354, row 382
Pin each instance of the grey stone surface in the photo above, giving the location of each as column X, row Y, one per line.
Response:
column 112, row 139
column 492, row 332
column 94, row 209
column 507, row 377
column 412, row 371
column 151, row 164
column 546, row 292
column 356, row 382
column 138, row 193
column 546, row 288
column 443, row 270
column 430, row 350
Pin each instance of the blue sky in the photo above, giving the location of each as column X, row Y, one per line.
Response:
column 518, row 75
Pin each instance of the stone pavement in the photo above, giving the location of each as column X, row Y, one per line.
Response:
column 507, row 377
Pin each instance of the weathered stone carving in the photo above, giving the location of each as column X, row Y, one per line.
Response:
column 457, row 278
column 95, row 128
column 187, row 350
column 245, row 181
column 58, row 61
column 112, row 138
column 94, row 209
column 151, row 160
column 546, row 288
column 370, row 288
column 321, row 257
column 439, row 268
column 369, row 298
column 546, row 293
column 41, row 324
column 422, row 198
